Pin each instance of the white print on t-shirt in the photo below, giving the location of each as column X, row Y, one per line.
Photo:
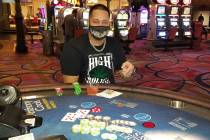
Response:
column 100, row 68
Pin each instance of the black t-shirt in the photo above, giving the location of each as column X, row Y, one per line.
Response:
column 79, row 58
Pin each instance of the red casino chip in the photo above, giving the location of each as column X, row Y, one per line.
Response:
column 96, row 109
column 149, row 124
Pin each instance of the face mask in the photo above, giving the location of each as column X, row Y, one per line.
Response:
column 99, row 32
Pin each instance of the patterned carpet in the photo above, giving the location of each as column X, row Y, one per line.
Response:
column 180, row 70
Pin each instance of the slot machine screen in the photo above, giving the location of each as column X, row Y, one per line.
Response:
column 161, row 24
column 186, row 23
column 187, row 2
column 174, row 24
column 174, row 10
column 119, row 16
column 67, row 11
column 186, row 11
column 85, row 15
column 162, row 34
column 161, row 9
column 187, row 33
column 144, row 16
column 174, row 1
column 121, row 23
column 125, row 16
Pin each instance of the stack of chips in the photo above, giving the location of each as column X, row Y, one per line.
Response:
column 86, row 126
column 77, row 88
column 123, row 129
column 123, row 122
column 59, row 91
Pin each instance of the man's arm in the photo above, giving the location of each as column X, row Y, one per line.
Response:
column 70, row 79
column 70, row 61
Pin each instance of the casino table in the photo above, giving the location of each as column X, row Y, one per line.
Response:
column 158, row 114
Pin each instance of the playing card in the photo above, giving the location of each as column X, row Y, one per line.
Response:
column 69, row 117
column 109, row 93
column 82, row 113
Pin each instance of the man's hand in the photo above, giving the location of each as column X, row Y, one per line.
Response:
column 127, row 69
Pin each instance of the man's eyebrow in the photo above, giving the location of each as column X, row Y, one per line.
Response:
column 101, row 20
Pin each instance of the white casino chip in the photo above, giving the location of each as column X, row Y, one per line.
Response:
column 90, row 116
column 112, row 137
column 106, row 118
column 98, row 117
column 132, row 123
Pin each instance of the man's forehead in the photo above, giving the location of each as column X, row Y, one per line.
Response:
column 98, row 13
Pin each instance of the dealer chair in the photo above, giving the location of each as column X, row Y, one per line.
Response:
column 197, row 33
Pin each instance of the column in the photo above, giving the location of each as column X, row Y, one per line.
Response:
column 20, row 32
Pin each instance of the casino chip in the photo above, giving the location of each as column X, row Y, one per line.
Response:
column 90, row 116
column 85, row 129
column 109, row 136
column 76, row 128
column 148, row 124
column 96, row 109
column 95, row 131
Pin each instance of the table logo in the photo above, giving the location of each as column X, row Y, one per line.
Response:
column 182, row 124
column 88, row 105
column 142, row 117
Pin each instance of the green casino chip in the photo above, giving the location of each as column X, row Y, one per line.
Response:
column 93, row 123
column 77, row 88
column 85, row 129
column 76, row 128
column 84, row 122
column 101, row 125
column 95, row 131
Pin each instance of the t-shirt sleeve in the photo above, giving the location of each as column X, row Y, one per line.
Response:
column 70, row 61
column 119, row 55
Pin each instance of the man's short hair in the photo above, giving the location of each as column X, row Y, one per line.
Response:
column 74, row 11
column 99, row 7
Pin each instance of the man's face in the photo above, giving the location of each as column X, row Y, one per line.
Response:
column 99, row 18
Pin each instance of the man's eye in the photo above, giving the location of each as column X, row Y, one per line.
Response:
column 96, row 22
column 105, row 22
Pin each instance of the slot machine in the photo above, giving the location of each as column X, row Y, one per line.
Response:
column 174, row 14
column 186, row 18
column 161, row 19
column 57, row 8
column 122, row 24
column 43, row 21
column 85, row 18
column 143, row 21
column 111, row 31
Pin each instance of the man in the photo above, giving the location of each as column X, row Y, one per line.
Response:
column 70, row 24
column 93, row 58
column 201, row 19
